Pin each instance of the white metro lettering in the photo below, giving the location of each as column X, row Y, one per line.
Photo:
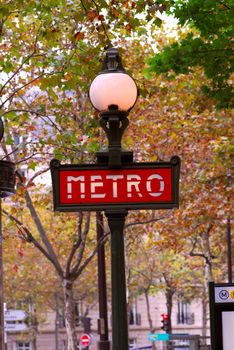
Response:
column 95, row 184
column 76, row 179
column 133, row 184
column 115, row 186
column 149, row 182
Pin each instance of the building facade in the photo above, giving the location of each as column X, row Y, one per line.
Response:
column 50, row 335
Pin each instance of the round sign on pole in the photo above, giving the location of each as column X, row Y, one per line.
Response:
column 85, row 340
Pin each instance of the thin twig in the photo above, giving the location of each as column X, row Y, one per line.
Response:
column 17, row 71
column 38, row 173
column 103, row 24
column 26, row 84
column 146, row 221
column 27, row 158
column 40, row 115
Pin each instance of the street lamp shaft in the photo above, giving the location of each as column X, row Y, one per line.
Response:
column 114, row 93
column 103, row 343
column 114, row 124
column 116, row 220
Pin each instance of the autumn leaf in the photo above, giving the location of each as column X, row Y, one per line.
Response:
column 79, row 36
column 125, row 3
column 20, row 253
column 101, row 18
column 15, row 267
column 115, row 12
column 128, row 27
column 92, row 15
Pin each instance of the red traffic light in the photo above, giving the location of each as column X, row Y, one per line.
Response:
column 165, row 317
column 165, row 322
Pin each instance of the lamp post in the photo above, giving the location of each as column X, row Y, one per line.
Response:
column 113, row 93
column 115, row 184
column 103, row 343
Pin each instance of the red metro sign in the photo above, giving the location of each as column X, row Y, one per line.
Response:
column 134, row 186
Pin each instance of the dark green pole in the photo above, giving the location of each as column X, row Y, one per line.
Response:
column 229, row 250
column 114, row 123
column 103, row 343
column 116, row 220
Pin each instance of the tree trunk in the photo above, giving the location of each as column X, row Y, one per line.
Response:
column 205, row 253
column 204, row 316
column 69, row 313
column 169, row 296
column 35, row 344
column 208, row 277
column 152, row 329
column 57, row 328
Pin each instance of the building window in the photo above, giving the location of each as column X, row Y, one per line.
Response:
column 60, row 319
column 184, row 315
column 64, row 345
column 132, row 343
column 23, row 346
column 134, row 318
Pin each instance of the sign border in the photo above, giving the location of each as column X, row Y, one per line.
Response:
column 216, row 310
column 56, row 167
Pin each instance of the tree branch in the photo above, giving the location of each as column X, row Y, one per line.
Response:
column 38, row 173
column 146, row 221
column 30, row 238
column 42, row 116
column 75, row 245
column 100, row 242
column 200, row 254
column 82, row 238
column 194, row 246
column 16, row 72
column 41, row 229
column 26, row 84
column 103, row 24
column 27, row 158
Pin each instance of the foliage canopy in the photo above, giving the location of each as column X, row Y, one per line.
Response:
column 208, row 43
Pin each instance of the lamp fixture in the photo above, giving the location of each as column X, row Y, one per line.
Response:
column 113, row 88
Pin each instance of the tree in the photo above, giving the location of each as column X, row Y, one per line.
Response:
column 180, row 119
column 68, row 260
column 49, row 56
column 208, row 44
column 26, row 274
column 49, row 53
column 157, row 266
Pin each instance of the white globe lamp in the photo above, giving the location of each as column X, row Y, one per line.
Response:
column 113, row 88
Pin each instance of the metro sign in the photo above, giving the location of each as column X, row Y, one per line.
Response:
column 134, row 186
